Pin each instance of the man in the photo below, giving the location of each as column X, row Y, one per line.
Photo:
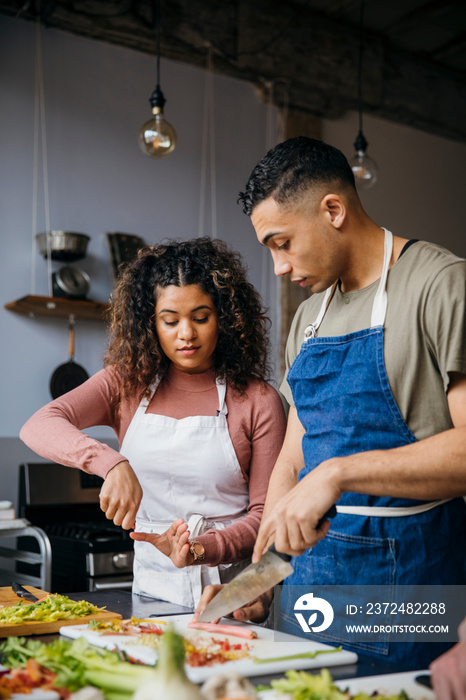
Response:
column 376, row 382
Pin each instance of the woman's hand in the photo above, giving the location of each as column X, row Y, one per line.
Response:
column 255, row 611
column 120, row 495
column 174, row 542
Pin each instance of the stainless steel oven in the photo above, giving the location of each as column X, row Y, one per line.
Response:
column 89, row 552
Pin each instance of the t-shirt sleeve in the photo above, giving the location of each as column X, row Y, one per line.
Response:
column 293, row 345
column 445, row 320
column 55, row 431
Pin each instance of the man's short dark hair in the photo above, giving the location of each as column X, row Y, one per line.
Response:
column 293, row 167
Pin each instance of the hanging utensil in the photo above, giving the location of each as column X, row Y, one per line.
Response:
column 68, row 375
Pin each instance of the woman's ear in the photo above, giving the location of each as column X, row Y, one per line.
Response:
column 334, row 209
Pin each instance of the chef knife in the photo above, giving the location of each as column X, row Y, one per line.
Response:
column 253, row 581
column 21, row 592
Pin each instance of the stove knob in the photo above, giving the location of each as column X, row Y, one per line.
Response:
column 121, row 561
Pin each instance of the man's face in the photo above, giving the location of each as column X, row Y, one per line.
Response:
column 303, row 243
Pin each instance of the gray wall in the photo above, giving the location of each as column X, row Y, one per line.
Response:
column 421, row 183
column 96, row 100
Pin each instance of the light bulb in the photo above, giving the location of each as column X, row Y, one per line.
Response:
column 157, row 138
column 364, row 169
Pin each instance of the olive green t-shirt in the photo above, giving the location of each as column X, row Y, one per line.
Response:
column 424, row 332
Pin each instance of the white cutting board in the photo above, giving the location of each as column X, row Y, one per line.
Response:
column 264, row 647
column 390, row 684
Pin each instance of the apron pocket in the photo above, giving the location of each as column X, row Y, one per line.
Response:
column 353, row 561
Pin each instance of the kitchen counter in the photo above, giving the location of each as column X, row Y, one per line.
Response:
column 127, row 604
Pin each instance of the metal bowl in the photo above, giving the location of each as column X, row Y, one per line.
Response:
column 64, row 245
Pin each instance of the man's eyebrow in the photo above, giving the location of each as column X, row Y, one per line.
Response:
column 266, row 239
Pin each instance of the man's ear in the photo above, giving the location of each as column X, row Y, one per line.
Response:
column 334, row 208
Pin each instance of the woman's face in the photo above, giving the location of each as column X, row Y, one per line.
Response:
column 186, row 324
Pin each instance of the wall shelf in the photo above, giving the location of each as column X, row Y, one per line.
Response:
column 58, row 307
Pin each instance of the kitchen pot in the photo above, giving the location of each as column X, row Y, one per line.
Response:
column 64, row 245
column 68, row 375
column 70, row 282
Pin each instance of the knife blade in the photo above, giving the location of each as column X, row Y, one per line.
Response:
column 254, row 580
column 21, row 592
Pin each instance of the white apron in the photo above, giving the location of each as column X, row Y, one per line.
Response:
column 187, row 469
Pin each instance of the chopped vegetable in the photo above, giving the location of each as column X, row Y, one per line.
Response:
column 51, row 608
column 129, row 627
column 169, row 681
column 300, row 685
column 77, row 664
column 303, row 655
column 231, row 630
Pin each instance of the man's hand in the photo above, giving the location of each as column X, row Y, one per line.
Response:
column 448, row 674
column 255, row 611
column 120, row 495
column 292, row 524
column 174, row 542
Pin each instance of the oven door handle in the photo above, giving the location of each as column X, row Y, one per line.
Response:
column 97, row 586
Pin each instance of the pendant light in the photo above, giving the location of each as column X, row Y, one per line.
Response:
column 363, row 166
column 157, row 138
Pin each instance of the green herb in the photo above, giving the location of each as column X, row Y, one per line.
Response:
column 54, row 607
column 304, row 655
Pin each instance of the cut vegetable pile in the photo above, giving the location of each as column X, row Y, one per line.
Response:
column 199, row 649
column 74, row 665
column 300, row 685
column 52, row 608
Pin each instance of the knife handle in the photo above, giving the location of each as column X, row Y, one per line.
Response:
column 424, row 679
column 332, row 511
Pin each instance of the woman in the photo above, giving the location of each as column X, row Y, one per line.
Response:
column 199, row 429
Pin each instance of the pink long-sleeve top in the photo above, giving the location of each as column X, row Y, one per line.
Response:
column 256, row 423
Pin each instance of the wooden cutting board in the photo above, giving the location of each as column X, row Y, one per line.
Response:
column 8, row 597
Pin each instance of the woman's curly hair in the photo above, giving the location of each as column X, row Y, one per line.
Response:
column 134, row 349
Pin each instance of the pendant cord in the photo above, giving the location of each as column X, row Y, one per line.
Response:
column 40, row 138
column 208, row 154
column 361, row 47
column 35, row 166
column 213, row 158
column 157, row 37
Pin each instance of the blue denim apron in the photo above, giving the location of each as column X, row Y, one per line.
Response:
column 344, row 402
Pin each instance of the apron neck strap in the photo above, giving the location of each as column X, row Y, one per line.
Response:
column 379, row 307
column 221, row 390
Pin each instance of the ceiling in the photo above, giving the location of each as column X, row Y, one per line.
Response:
column 413, row 60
